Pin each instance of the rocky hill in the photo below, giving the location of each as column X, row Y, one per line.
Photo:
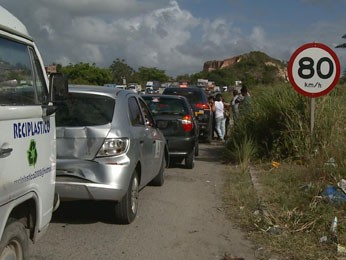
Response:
column 254, row 64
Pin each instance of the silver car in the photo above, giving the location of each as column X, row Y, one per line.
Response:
column 108, row 148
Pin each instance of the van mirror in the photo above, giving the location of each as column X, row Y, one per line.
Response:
column 58, row 87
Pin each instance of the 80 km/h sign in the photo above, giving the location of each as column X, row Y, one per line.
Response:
column 314, row 69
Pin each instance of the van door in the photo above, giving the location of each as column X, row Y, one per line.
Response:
column 27, row 138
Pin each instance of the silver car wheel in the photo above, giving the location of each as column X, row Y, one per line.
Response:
column 134, row 194
column 126, row 208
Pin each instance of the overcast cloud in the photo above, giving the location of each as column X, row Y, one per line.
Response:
column 171, row 35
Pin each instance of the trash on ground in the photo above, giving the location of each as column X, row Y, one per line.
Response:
column 275, row 164
column 275, row 230
column 334, row 194
column 334, row 225
column 342, row 184
column 331, row 162
column 323, row 239
column 305, row 187
column 341, row 249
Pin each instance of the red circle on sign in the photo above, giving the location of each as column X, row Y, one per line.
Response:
column 293, row 62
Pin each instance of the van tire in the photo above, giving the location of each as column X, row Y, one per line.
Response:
column 126, row 208
column 15, row 241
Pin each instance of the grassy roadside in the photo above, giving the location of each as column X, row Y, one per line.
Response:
column 280, row 205
column 283, row 212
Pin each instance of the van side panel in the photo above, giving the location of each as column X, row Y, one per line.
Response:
column 27, row 160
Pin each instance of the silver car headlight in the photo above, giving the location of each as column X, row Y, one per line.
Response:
column 114, row 147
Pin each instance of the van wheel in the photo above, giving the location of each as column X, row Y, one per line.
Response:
column 190, row 159
column 14, row 242
column 126, row 209
column 160, row 179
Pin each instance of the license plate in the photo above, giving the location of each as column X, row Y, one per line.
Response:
column 200, row 112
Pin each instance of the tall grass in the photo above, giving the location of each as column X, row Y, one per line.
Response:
column 278, row 128
column 244, row 150
column 279, row 125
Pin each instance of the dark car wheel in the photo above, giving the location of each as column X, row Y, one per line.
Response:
column 190, row 159
column 14, row 243
column 126, row 209
column 197, row 149
column 160, row 179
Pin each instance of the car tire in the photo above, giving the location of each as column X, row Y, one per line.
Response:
column 160, row 178
column 190, row 159
column 14, row 243
column 126, row 209
column 197, row 148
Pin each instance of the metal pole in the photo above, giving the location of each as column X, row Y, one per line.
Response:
column 312, row 115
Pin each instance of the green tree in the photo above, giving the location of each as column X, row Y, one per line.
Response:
column 84, row 73
column 146, row 74
column 120, row 70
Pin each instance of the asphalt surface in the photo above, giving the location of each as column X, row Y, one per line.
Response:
column 183, row 219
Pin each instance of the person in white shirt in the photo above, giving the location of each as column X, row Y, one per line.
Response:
column 219, row 117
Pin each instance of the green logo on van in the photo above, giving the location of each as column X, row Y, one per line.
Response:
column 32, row 153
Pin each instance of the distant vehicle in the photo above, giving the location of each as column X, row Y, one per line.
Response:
column 121, row 86
column 152, row 87
column 134, row 87
column 108, row 148
column 27, row 139
column 175, row 118
column 149, row 90
column 200, row 105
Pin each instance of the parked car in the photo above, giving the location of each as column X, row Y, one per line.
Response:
column 200, row 105
column 175, row 118
column 108, row 148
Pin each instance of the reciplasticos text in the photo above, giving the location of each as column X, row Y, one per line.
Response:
column 28, row 129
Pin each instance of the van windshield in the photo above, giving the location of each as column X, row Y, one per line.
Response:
column 85, row 110
column 21, row 77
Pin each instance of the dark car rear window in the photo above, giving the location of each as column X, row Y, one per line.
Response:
column 166, row 106
column 194, row 95
column 85, row 110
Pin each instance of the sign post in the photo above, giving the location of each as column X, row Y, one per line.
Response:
column 313, row 70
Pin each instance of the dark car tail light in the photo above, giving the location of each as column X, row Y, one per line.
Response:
column 202, row 105
column 187, row 123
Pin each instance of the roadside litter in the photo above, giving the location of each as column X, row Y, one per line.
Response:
column 334, row 194
column 331, row 163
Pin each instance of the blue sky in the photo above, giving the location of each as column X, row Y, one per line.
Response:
column 177, row 36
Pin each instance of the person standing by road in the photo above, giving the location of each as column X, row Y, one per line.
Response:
column 244, row 106
column 220, row 119
column 235, row 105
column 211, row 104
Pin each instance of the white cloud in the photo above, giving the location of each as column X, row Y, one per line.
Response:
column 153, row 33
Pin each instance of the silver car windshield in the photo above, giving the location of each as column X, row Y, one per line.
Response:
column 85, row 110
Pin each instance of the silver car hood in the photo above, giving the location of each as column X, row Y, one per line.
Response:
column 80, row 142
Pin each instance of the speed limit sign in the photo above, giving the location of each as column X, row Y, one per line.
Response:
column 314, row 69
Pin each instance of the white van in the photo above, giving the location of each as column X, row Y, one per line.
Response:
column 27, row 140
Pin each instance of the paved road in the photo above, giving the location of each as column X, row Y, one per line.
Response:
column 184, row 219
